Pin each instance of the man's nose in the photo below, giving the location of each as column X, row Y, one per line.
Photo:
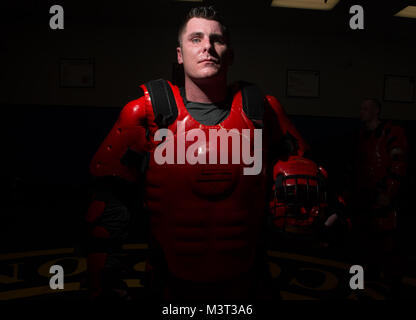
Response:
column 207, row 44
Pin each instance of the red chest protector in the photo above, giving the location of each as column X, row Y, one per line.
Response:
column 205, row 217
column 374, row 155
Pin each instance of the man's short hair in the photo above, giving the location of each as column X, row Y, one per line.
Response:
column 209, row 13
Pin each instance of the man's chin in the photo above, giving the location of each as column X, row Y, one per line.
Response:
column 208, row 74
column 206, row 77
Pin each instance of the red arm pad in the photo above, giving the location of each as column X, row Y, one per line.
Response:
column 286, row 125
column 95, row 210
column 398, row 148
column 129, row 132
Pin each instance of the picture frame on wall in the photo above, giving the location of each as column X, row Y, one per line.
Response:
column 76, row 73
column 399, row 88
column 303, row 83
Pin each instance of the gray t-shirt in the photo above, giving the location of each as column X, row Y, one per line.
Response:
column 208, row 114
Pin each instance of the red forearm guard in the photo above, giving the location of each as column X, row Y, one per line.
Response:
column 286, row 125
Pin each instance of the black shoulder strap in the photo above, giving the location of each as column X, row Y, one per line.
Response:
column 166, row 110
column 163, row 102
column 253, row 101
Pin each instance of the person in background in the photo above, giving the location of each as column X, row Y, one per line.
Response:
column 379, row 172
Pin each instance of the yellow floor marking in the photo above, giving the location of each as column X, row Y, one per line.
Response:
column 133, row 246
column 133, row 283
column 373, row 294
column 141, row 266
column 37, row 291
column 34, row 253
column 27, row 254
column 141, row 246
column 297, row 257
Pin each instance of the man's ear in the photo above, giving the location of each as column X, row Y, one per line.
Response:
column 179, row 55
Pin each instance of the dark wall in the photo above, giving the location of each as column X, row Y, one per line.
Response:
column 132, row 42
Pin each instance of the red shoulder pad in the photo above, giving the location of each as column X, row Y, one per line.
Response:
column 286, row 125
column 127, row 136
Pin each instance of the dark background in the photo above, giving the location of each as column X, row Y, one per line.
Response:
column 50, row 133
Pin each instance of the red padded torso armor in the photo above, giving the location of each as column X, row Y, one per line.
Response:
column 375, row 161
column 206, row 217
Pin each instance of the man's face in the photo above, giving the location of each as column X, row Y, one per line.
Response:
column 368, row 111
column 204, row 52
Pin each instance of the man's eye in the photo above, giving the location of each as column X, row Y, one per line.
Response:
column 196, row 40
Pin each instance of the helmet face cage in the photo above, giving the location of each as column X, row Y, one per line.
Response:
column 298, row 199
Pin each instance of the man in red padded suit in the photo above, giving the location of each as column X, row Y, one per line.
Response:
column 206, row 219
column 380, row 171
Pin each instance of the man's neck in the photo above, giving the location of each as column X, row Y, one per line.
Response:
column 206, row 92
column 372, row 124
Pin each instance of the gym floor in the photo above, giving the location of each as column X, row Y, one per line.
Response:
column 30, row 245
